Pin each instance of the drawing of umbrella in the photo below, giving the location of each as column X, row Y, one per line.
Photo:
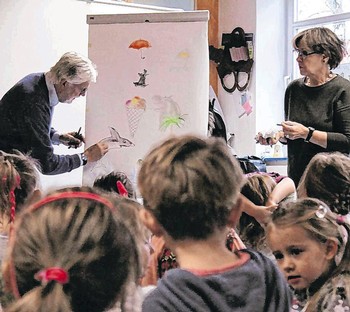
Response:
column 139, row 45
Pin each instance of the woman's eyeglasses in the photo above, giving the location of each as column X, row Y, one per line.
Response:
column 304, row 54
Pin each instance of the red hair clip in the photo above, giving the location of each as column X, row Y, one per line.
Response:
column 121, row 189
column 52, row 274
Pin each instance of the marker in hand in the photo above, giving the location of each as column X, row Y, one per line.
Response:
column 78, row 136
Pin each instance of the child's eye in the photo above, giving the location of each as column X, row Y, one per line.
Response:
column 295, row 251
column 278, row 255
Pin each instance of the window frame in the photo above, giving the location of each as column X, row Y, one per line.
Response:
column 312, row 22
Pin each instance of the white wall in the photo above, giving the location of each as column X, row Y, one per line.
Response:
column 266, row 19
column 34, row 34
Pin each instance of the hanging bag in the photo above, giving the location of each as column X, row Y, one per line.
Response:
column 233, row 59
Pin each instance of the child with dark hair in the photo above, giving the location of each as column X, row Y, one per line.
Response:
column 72, row 251
column 308, row 242
column 190, row 187
column 109, row 182
column 118, row 183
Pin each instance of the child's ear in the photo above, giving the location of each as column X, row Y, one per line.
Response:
column 36, row 196
column 235, row 213
column 150, row 222
column 325, row 59
column 331, row 249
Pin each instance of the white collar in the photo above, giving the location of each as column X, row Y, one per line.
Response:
column 53, row 98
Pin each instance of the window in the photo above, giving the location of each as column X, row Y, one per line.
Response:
column 333, row 14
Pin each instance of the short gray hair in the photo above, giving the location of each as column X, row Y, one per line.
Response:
column 324, row 41
column 74, row 68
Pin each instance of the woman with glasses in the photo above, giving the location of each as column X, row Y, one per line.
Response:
column 317, row 106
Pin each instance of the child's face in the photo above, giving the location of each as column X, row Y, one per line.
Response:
column 301, row 258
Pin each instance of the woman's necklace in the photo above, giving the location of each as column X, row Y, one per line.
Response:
column 328, row 78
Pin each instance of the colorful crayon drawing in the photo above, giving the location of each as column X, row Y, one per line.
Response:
column 139, row 45
column 169, row 112
column 135, row 108
column 246, row 106
column 180, row 62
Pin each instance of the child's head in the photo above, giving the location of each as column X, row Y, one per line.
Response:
column 305, row 238
column 191, row 185
column 71, row 251
column 257, row 189
column 327, row 177
column 128, row 208
column 19, row 179
column 109, row 183
column 129, row 212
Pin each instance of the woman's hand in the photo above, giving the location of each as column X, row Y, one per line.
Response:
column 270, row 138
column 294, row 130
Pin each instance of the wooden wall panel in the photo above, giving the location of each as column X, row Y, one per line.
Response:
column 213, row 7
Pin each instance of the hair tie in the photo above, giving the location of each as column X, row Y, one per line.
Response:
column 12, row 199
column 121, row 189
column 341, row 220
column 52, row 274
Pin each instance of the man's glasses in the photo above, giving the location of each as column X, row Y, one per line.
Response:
column 303, row 54
column 82, row 91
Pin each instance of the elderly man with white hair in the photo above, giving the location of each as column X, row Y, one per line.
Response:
column 26, row 114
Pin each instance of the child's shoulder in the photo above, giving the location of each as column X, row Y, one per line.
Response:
column 250, row 264
column 336, row 293
column 246, row 286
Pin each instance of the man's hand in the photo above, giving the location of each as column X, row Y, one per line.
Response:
column 96, row 151
column 72, row 139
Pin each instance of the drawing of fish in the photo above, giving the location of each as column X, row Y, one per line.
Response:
column 116, row 141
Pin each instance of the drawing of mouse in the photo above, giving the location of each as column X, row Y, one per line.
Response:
column 142, row 79
column 116, row 141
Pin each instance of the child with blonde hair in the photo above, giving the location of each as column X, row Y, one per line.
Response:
column 111, row 183
column 308, row 242
column 71, row 251
column 190, row 186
